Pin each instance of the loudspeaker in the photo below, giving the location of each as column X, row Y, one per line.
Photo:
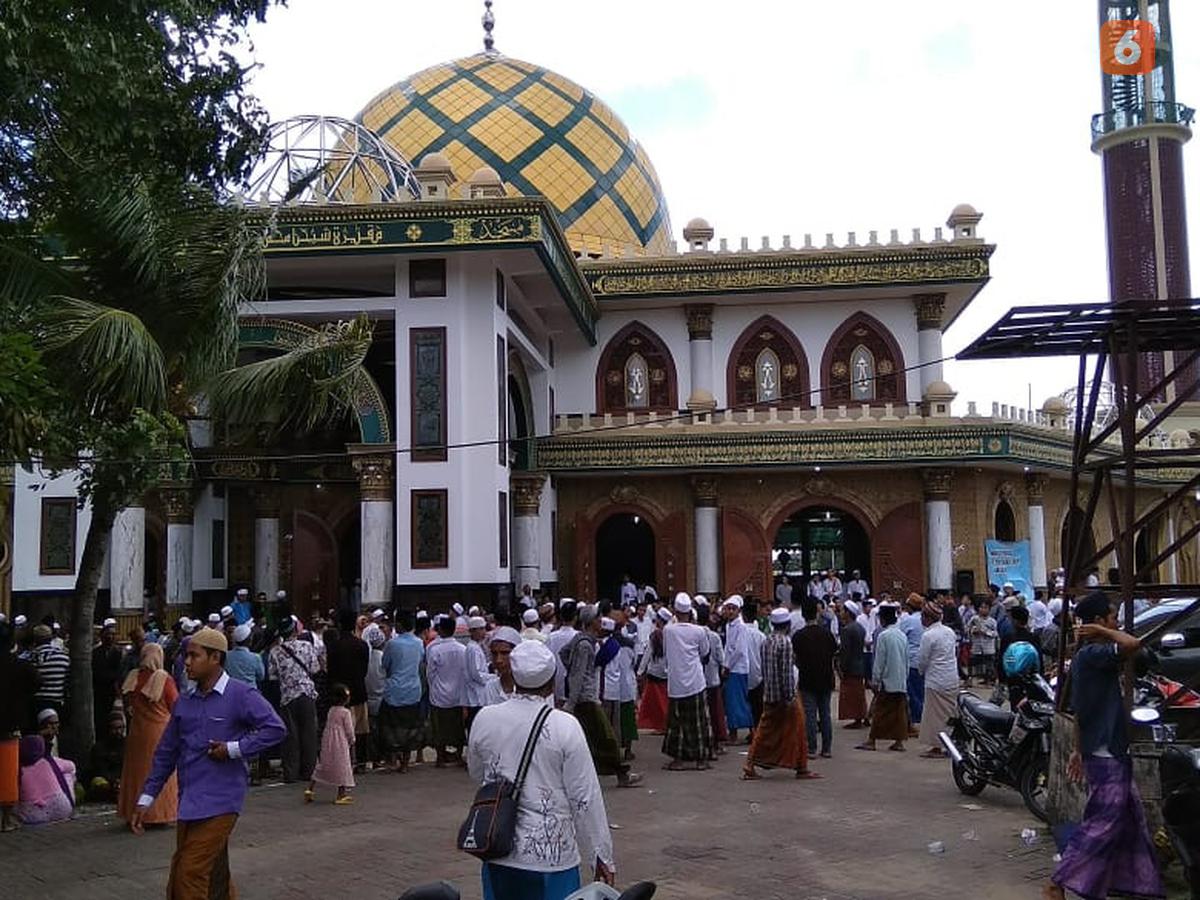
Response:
column 964, row 582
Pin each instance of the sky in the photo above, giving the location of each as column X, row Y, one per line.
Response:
column 773, row 117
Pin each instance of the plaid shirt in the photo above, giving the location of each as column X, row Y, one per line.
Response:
column 778, row 686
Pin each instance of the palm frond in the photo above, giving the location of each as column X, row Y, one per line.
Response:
column 26, row 280
column 312, row 384
column 107, row 355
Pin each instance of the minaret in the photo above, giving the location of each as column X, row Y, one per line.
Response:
column 1140, row 137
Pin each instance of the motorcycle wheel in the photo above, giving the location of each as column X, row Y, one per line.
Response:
column 966, row 782
column 1034, row 784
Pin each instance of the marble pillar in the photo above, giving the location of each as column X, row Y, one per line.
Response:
column 700, row 353
column 939, row 545
column 178, row 502
column 266, row 539
column 707, row 527
column 377, row 517
column 526, row 492
column 1171, row 563
column 1035, row 496
column 929, row 309
column 127, row 551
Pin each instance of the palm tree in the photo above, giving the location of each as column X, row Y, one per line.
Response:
column 136, row 317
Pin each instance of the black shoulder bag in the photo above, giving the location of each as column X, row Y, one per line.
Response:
column 491, row 823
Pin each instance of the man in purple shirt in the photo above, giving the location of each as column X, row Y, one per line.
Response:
column 213, row 729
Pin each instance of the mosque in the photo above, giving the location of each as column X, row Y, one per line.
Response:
column 563, row 389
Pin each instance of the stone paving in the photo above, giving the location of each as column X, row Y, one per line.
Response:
column 862, row 832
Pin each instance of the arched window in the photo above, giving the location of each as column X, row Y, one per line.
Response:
column 862, row 364
column 767, row 367
column 766, row 376
column 637, row 382
column 636, row 372
column 1005, row 525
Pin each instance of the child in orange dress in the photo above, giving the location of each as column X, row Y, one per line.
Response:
column 334, row 764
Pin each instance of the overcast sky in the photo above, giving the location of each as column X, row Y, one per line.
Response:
column 772, row 118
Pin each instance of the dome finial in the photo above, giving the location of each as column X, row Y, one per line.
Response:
column 489, row 22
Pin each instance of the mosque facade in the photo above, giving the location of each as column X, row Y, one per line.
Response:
column 565, row 390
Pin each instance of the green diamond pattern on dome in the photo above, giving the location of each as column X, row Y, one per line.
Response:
column 543, row 134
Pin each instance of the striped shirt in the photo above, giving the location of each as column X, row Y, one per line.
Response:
column 777, row 657
column 53, row 667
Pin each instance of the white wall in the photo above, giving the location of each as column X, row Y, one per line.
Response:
column 813, row 324
column 208, row 508
column 30, row 489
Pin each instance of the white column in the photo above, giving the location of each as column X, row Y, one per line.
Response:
column 266, row 540
column 708, row 546
column 939, row 545
column 377, row 517
column 929, row 308
column 700, row 356
column 127, row 550
column 1035, row 492
column 525, row 488
column 1172, row 561
column 178, row 502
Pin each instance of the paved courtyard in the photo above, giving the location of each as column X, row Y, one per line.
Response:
column 862, row 832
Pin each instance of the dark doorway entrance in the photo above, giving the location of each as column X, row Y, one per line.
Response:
column 624, row 546
column 817, row 538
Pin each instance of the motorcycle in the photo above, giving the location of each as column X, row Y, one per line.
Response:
column 443, row 890
column 989, row 745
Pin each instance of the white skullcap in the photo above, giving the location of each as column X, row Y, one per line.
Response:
column 374, row 636
column 214, row 618
column 564, row 601
column 241, row 634
column 530, row 617
column 700, row 600
column 20, row 621
column 46, row 714
column 683, row 603
column 242, row 592
column 458, row 609
column 281, row 595
column 422, row 614
column 780, row 616
column 226, row 612
column 474, row 611
column 664, row 614
column 476, row 622
column 507, row 635
column 110, row 623
column 651, row 592
column 533, row 664
column 1008, row 584
column 869, row 600
column 1055, row 606
column 733, row 600
column 853, row 608
column 377, row 614
column 607, row 624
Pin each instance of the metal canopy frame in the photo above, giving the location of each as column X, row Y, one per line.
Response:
column 1113, row 334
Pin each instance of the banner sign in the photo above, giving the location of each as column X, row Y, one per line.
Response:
column 1010, row 561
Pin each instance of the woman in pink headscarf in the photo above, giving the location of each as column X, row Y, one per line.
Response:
column 47, row 784
column 149, row 693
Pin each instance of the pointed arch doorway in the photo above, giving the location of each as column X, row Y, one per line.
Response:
column 624, row 546
column 818, row 538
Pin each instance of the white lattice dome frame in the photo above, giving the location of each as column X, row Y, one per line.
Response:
column 327, row 159
column 1106, row 410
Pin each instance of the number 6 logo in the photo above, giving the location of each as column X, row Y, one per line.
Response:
column 1126, row 47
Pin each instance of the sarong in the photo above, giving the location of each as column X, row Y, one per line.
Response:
column 652, row 711
column 362, row 721
column 780, row 740
column 756, row 704
column 612, row 709
column 716, row 714
column 940, row 706
column 889, row 717
column 1110, row 852
column 10, row 771
column 400, row 728
column 200, row 866
column 852, row 698
column 505, row 882
column 689, row 732
column 448, row 727
column 606, row 752
column 737, row 702
column 629, row 728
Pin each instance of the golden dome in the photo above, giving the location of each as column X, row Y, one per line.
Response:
column 543, row 134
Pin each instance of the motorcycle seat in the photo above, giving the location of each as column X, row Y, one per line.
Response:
column 994, row 719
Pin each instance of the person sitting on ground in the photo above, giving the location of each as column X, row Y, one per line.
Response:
column 47, row 784
column 103, row 775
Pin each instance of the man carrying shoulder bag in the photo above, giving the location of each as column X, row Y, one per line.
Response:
column 559, row 807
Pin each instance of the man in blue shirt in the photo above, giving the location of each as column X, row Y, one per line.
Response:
column 1111, row 852
column 212, row 731
column 401, row 731
column 913, row 629
column 243, row 665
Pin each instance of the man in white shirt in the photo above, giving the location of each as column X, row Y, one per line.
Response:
column 689, row 732
column 857, row 585
column 815, row 589
column 532, row 630
column 831, row 585
column 560, row 812
column 1039, row 615
column 445, row 669
column 475, row 673
column 754, row 678
column 645, row 628
column 629, row 591
column 783, row 591
column 937, row 660
column 737, row 662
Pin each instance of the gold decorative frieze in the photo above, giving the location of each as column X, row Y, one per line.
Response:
column 177, row 501
column 526, row 490
column 704, row 488
column 699, row 321
column 1035, row 488
column 937, row 483
column 374, row 471
column 929, row 309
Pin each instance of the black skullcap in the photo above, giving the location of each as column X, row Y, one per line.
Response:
column 1094, row 606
